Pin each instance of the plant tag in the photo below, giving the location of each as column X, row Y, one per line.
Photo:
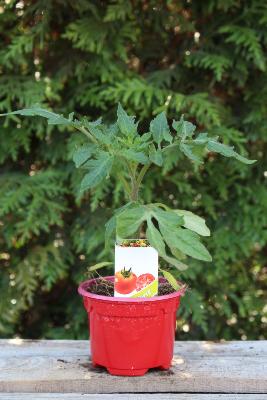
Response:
column 136, row 269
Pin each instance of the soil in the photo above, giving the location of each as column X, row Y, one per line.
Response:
column 103, row 287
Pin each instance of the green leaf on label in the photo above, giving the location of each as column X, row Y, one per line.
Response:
column 149, row 291
column 194, row 222
column 82, row 154
column 160, row 129
column 155, row 155
column 126, row 123
column 170, row 278
column 98, row 170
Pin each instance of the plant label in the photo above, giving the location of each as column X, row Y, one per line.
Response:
column 136, row 269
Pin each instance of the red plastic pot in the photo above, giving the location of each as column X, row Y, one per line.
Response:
column 128, row 336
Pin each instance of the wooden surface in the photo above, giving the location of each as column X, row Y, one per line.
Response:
column 200, row 371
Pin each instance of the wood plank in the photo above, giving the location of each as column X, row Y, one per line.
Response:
column 127, row 396
column 64, row 367
column 9, row 347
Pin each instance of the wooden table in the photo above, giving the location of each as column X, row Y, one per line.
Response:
column 61, row 369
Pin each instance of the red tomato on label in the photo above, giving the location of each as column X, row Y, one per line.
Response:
column 143, row 281
column 125, row 281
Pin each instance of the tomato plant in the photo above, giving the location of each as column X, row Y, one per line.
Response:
column 120, row 151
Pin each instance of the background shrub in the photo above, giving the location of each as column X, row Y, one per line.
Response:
column 204, row 59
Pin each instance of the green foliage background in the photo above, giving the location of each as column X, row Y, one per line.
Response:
column 204, row 59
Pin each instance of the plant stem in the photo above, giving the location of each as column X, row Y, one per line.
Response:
column 88, row 134
column 142, row 174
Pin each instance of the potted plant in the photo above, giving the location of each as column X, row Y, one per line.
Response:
column 129, row 335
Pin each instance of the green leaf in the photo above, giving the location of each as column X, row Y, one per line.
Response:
column 244, row 159
column 82, row 154
column 174, row 262
column 126, row 123
column 227, row 151
column 186, row 241
column 128, row 221
column 99, row 265
column 111, row 224
column 220, row 148
column 194, row 222
column 99, row 169
column 160, row 129
column 155, row 155
column 167, row 218
column 52, row 118
column 136, row 156
column 145, row 137
column 170, row 278
column 154, row 237
column 191, row 152
column 183, row 128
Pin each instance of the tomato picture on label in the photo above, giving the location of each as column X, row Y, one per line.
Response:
column 125, row 281
column 143, row 281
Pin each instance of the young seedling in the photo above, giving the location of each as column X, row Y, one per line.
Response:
column 119, row 150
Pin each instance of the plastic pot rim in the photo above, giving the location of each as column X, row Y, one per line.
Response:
column 84, row 285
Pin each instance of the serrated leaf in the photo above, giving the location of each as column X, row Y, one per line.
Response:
column 111, row 224
column 160, row 129
column 192, row 152
column 183, row 128
column 136, row 156
column 194, row 222
column 155, row 155
column 52, row 118
column 128, row 221
column 99, row 169
column 154, row 237
column 82, row 154
column 186, row 241
column 167, row 217
column 145, row 137
column 244, row 159
column 125, row 122
column 227, row 151
column 170, row 278
column 220, row 148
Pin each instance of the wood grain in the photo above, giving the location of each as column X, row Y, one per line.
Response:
column 127, row 396
column 198, row 367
